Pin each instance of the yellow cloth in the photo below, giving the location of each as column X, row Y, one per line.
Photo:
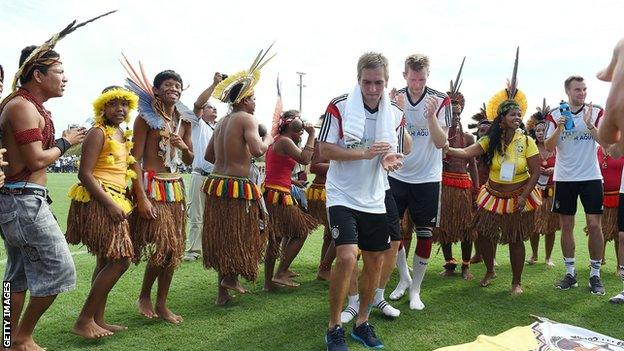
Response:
column 518, row 338
column 518, row 151
column 111, row 173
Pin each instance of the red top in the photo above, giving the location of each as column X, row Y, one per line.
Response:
column 549, row 163
column 611, row 170
column 278, row 168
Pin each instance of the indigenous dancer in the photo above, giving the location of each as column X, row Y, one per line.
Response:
column 506, row 203
column 158, row 227
column 482, row 127
column 358, row 136
column 38, row 258
column 234, row 246
column 611, row 170
column 416, row 186
column 202, row 133
column 100, row 205
column 288, row 222
column 458, row 187
column 577, row 174
column 316, row 196
column 546, row 222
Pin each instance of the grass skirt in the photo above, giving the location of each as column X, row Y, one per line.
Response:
column 457, row 210
column 90, row 224
column 546, row 222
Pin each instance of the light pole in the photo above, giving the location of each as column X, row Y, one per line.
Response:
column 301, row 86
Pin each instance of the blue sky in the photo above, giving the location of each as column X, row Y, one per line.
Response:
column 323, row 39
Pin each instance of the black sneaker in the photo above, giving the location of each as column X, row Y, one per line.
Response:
column 569, row 281
column 365, row 333
column 335, row 339
column 595, row 285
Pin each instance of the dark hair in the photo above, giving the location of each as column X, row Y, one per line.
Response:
column 1, row 74
column 28, row 74
column 286, row 115
column 233, row 94
column 111, row 87
column 165, row 75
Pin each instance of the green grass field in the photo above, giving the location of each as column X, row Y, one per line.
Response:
column 296, row 319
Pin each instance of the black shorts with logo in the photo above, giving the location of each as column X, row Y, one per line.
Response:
column 567, row 194
column 422, row 200
column 352, row 227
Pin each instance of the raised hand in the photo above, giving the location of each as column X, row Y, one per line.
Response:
column 309, row 128
column 587, row 116
column 431, row 107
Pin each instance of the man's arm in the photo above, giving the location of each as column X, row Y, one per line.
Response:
column 187, row 133
column 438, row 133
column 318, row 166
column 209, row 155
column 139, row 136
column 202, row 99
column 550, row 143
column 472, row 163
column 257, row 146
column 24, row 119
column 334, row 152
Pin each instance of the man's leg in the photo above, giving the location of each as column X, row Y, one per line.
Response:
column 419, row 266
column 451, row 264
column 346, row 259
column 269, row 263
column 568, row 246
column 487, row 252
column 164, row 282
column 196, row 213
column 17, row 305
column 466, row 249
column 353, row 298
column 389, row 261
column 369, row 281
column 292, row 249
column 619, row 298
column 596, row 253
column 145, row 297
column 549, row 243
column 324, row 271
column 535, row 238
column 34, row 310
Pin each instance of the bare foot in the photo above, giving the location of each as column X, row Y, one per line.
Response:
column 487, row 279
column 222, row 299
column 549, row 263
column 612, row 123
column 26, row 345
column 111, row 327
column 516, row 289
column 292, row 274
column 323, row 275
column 168, row 316
column 285, row 281
column 466, row 274
column 532, row 260
column 270, row 286
column 233, row 284
column 90, row 330
column 447, row 273
column 146, row 308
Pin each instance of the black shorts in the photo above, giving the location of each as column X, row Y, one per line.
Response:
column 422, row 200
column 567, row 194
column 350, row 227
column 392, row 216
column 621, row 214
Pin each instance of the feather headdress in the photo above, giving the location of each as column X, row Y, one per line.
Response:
column 457, row 98
column 238, row 86
column 510, row 93
column 36, row 56
column 539, row 116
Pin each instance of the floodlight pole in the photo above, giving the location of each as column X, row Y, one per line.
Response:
column 301, row 86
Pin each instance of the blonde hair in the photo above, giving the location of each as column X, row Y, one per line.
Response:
column 571, row 79
column 417, row 62
column 372, row 60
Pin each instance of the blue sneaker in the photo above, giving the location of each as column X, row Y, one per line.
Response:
column 335, row 339
column 365, row 333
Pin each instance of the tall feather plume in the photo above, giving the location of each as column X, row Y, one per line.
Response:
column 50, row 43
column 455, row 85
column 512, row 87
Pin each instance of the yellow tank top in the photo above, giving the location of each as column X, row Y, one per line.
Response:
column 111, row 173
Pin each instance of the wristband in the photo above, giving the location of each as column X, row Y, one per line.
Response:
column 63, row 145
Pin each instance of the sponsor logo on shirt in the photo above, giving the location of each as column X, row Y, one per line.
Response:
column 574, row 135
column 417, row 131
column 363, row 144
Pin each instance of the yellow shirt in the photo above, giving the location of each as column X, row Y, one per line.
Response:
column 112, row 173
column 518, row 151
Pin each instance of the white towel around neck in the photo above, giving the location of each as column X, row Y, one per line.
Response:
column 354, row 120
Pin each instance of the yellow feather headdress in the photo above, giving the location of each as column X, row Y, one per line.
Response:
column 511, row 92
column 248, row 79
column 112, row 94
column 36, row 56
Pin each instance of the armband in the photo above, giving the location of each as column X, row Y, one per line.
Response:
column 28, row 136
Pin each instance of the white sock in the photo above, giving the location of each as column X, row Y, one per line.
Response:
column 379, row 296
column 351, row 310
column 401, row 263
column 418, row 268
column 569, row 265
column 594, row 267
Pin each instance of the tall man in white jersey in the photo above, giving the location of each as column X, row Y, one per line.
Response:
column 359, row 138
column 416, row 186
column 577, row 174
